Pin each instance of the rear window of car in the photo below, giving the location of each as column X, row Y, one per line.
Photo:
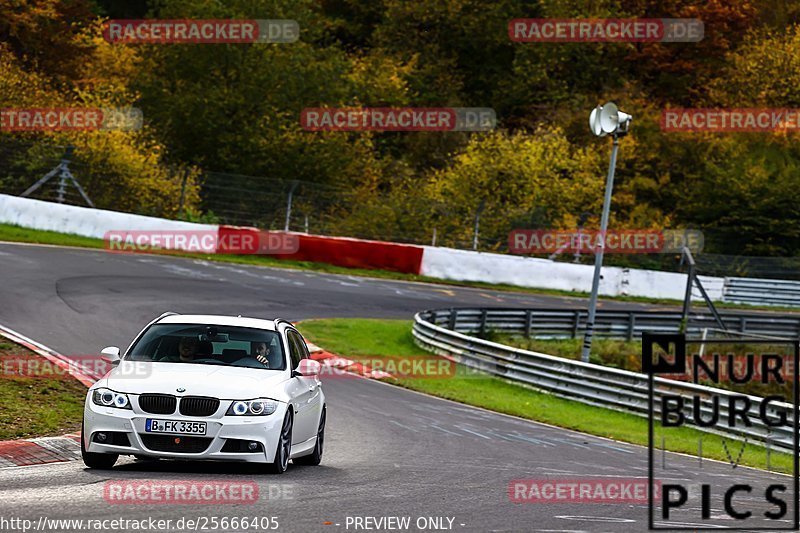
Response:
column 209, row 344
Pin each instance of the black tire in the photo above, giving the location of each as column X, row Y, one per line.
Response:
column 315, row 458
column 100, row 461
column 284, row 449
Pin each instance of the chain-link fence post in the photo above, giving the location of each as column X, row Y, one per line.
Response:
column 289, row 205
column 478, row 224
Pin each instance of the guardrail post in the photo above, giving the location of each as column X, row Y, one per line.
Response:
column 768, row 450
column 742, row 324
column 483, row 323
column 631, row 325
column 528, row 319
column 453, row 317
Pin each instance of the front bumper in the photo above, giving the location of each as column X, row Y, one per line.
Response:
column 262, row 429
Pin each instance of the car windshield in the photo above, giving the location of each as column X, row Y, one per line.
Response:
column 209, row 344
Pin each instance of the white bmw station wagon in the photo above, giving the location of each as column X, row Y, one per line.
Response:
column 202, row 387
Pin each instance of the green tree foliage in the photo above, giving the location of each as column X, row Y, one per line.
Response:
column 235, row 108
column 120, row 170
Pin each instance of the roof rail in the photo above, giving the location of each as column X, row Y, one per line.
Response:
column 277, row 321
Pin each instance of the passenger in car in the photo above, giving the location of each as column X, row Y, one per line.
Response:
column 260, row 351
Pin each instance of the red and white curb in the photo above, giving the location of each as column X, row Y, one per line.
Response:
column 43, row 450
column 342, row 364
column 81, row 374
column 40, row 450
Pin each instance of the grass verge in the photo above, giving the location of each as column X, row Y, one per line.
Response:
column 13, row 233
column 372, row 339
column 616, row 353
column 35, row 399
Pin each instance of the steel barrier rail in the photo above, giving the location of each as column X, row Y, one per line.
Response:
column 592, row 384
column 570, row 323
column 761, row 291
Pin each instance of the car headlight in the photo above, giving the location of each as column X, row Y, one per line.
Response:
column 260, row 407
column 109, row 398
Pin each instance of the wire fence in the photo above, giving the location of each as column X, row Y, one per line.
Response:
column 22, row 163
column 297, row 205
column 303, row 206
column 269, row 203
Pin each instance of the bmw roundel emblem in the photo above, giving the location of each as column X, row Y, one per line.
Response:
column 180, row 389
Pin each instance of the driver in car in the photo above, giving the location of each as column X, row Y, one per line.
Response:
column 260, row 351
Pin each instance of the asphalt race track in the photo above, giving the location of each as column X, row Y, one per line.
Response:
column 389, row 452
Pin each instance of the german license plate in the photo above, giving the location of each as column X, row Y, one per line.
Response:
column 154, row 425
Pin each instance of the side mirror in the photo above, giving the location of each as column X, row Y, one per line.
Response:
column 110, row 355
column 308, row 368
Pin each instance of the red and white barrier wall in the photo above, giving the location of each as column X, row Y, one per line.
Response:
column 434, row 262
column 464, row 265
column 357, row 253
column 83, row 221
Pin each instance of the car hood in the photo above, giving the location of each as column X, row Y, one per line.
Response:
column 224, row 382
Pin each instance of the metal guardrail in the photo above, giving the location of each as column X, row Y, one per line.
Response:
column 444, row 332
column 761, row 291
column 569, row 323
